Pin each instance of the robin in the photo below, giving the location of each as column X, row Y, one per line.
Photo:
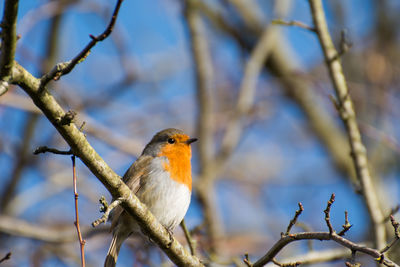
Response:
column 161, row 178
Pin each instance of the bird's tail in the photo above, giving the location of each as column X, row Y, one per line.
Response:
column 112, row 254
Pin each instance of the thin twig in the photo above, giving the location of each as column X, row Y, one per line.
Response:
column 396, row 226
column 6, row 257
column 246, row 260
column 327, row 213
column 81, row 240
column 284, row 241
column 346, row 226
column 294, row 220
column 293, row 23
column 189, row 239
column 331, row 235
column 8, row 42
column 320, row 256
column 289, row 264
column 393, row 211
column 205, row 122
column 79, row 144
column 44, row 149
column 348, row 116
column 65, row 67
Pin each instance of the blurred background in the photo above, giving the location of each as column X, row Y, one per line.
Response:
column 171, row 63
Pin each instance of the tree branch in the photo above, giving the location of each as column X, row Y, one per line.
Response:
column 376, row 254
column 331, row 235
column 17, row 227
column 63, row 68
column 113, row 182
column 77, row 225
column 205, row 123
column 8, row 42
column 348, row 116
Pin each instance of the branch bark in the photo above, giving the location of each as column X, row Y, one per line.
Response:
column 113, row 182
column 284, row 241
column 348, row 116
column 205, row 124
column 12, row 226
column 8, row 42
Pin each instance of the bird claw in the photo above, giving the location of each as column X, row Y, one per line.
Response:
column 171, row 237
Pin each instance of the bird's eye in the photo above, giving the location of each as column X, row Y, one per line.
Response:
column 171, row 140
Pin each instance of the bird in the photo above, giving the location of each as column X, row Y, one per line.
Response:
column 162, row 179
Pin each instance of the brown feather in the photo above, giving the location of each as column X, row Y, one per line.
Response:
column 132, row 179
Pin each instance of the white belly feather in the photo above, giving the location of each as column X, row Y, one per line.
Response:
column 167, row 199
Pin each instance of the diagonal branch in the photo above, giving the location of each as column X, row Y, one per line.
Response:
column 113, row 182
column 348, row 116
column 65, row 67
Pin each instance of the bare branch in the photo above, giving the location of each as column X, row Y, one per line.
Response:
column 375, row 254
column 294, row 220
column 346, row 226
column 106, row 209
column 396, row 227
column 189, row 239
column 393, row 211
column 44, row 149
column 293, row 23
column 65, row 67
column 6, row 257
column 331, row 235
column 320, row 256
column 327, row 213
column 8, row 42
column 205, row 123
column 113, row 182
column 348, row 116
column 78, row 229
column 17, row 227
column 247, row 90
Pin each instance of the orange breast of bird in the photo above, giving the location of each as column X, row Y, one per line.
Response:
column 178, row 164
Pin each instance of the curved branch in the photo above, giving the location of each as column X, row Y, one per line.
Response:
column 284, row 241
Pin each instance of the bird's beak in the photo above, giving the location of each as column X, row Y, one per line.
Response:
column 191, row 140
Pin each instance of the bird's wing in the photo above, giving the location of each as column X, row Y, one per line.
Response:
column 131, row 178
